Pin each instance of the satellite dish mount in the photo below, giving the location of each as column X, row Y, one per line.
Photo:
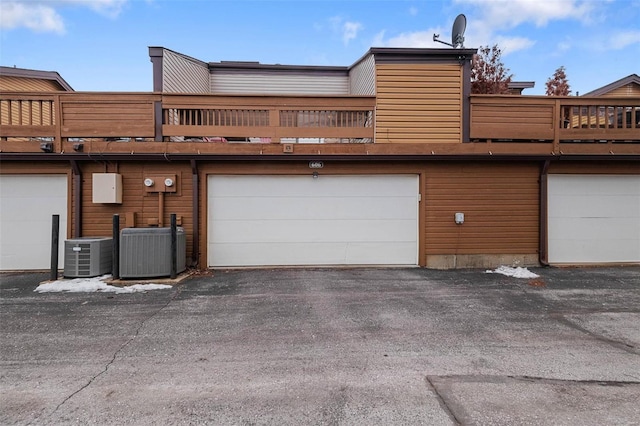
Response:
column 457, row 33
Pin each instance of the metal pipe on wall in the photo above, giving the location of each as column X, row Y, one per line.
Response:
column 77, row 199
column 160, row 209
column 543, row 229
column 196, row 214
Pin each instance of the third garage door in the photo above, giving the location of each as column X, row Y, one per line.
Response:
column 301, row 220
column 594, row 219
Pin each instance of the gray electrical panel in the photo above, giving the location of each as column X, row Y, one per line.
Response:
column 146, row 252
column 88, row 257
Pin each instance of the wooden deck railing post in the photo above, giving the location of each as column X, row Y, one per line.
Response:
column 557, row 123
column 274, row 123
column 157, row 117
column 57, row 142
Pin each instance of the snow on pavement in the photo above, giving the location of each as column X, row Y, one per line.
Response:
column 96, row 284
column 517, row 272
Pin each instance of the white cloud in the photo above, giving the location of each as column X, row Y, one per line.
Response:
column 43, row 16
column 502, row 14
column 513, row 44
column 347, row 30
column 414, row 39
column 36, row 17
column 350, row 31
column 623, row 39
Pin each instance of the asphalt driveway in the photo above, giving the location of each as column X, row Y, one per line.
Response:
column 328, row 346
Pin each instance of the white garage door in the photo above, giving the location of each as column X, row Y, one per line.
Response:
column 594, row 219
column 27, row 203
column 299, row 220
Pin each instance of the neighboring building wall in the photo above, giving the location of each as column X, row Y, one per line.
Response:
column 631, row 89
column 36, row 113
column 419, row 103
column 501, row 207
column 277, row 83
column 362, row 77
column 183, row 75
column 18, row 84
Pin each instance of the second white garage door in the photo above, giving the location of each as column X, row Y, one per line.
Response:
column 27, row 204
column 299, row 220
column 594, row 219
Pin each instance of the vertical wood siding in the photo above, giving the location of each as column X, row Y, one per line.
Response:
column 500, row 203
column 419, row 103
column 277, row 83
column 362, row 77
column 183, row 75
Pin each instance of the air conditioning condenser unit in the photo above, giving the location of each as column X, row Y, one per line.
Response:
column 87, row 257
column 146, row 252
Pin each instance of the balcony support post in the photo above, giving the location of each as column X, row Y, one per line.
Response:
column 557, row 123
column 157, row 118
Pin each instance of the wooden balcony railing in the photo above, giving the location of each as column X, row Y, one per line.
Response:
column 172, row 117
column 554, row 119
column 268, row 118
column 102, row 118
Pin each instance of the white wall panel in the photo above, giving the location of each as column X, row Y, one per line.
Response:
column 274, row 83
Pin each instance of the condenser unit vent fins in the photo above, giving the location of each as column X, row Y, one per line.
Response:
column 87, row 257
column 146, row 252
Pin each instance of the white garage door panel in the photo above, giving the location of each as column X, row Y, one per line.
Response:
column 323, row 254
column 241, row 208
column 27, row 203
column 607, row 206
column 291, row 231
column 594, row 218
column 300, row 186
column 298, row 220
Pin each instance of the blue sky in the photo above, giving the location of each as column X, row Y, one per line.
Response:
column 102, row 45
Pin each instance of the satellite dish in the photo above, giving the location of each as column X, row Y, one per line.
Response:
column 457, row 33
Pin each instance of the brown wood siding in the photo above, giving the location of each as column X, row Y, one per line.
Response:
column 631, row 89
column 19, row 84
column 502, row 119
column 97, row 115
column 419, row 103
column 500, row 203
column 97, row 219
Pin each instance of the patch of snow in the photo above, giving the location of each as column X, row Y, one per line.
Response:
column 96, row 284
column 517, row 272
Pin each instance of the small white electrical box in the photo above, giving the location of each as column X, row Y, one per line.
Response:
column 107, row 188
column 459, row 218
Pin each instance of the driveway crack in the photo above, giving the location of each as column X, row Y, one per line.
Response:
column 615, row 343
column 118, row 351
column 443, row 402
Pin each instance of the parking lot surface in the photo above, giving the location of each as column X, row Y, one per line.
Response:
column 371, row 346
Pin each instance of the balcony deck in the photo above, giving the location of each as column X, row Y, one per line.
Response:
column 134, row 123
